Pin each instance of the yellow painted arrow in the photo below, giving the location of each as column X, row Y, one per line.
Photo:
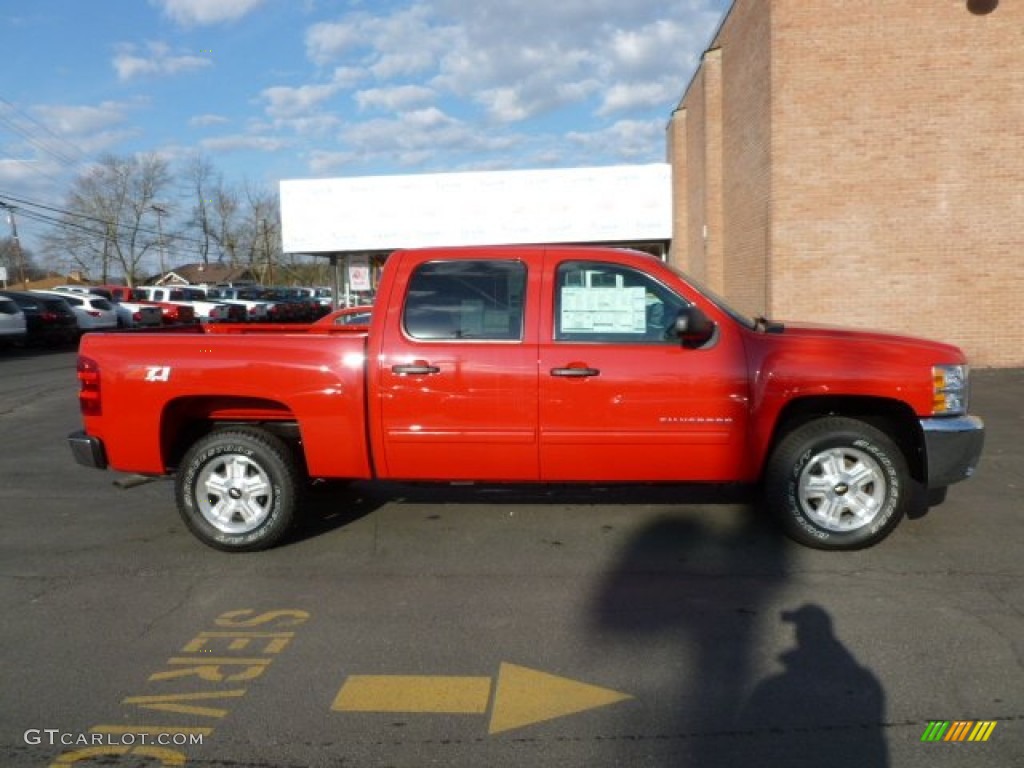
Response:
column 522, row 696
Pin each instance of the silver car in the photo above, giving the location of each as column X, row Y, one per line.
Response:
column 94, row 313
column 12, row 322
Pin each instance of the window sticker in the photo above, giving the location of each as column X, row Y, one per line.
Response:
column 603, row 310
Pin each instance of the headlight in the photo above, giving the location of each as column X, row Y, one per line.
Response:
column 949, row 390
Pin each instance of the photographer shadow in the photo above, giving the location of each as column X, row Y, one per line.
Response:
column 704, row 601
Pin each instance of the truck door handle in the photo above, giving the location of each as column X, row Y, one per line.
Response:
column 575, row 371
column 418, row 368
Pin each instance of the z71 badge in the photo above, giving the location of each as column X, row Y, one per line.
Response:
column 158, row 373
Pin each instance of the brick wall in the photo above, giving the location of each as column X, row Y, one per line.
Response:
column 746, row 156
column 872, row 166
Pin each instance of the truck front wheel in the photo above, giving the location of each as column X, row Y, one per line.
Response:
column 837, row 483
column 236, row 489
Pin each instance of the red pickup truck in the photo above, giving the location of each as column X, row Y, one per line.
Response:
column 532, row 365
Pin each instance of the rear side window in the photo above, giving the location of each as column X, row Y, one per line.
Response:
column 8, row 307
column 466, row 299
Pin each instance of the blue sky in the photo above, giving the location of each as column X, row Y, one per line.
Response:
column 272, row 89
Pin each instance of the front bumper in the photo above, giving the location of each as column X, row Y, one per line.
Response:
column 87, row 450
column 952, row 448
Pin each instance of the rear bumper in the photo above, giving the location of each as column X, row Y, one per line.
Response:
column 952, row 448
column 87, row 450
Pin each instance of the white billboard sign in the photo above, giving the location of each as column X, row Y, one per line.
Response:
column 569, row 205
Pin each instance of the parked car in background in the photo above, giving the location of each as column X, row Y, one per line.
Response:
column 255, row 310
column 350, row 316
column 12, row 322
column 277, row 311
column 171, row 314
column 49, row 320
column 301, row 309
column 205, row 311
column 93, row 313
column 129, row 314
column 321, row 297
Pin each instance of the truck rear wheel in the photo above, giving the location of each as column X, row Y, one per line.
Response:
column 838, row 483
column 237, row 489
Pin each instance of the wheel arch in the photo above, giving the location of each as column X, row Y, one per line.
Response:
column 893, row 417
column 187, row 419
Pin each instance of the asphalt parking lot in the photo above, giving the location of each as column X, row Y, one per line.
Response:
column 413, row 626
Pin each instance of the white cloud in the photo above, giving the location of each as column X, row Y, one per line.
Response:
column 205, row 12
column 330, row 40
column 314, row 126
column 408, row 41
column 286, row 101
column 395, row 98
column 18, row 171
column 157, row 59
column 520, row 61
column 81, row 120
column 239, row 142
column 201, row 121
column 419, row 136
column 626, row 140
column 322, row 162
column 624, row 97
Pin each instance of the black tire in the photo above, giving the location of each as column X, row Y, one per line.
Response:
column 237, row 490
column 838, row 483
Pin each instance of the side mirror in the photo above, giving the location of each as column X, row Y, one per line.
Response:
column 693, row 327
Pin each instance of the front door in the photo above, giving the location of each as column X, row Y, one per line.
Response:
column 620, row 397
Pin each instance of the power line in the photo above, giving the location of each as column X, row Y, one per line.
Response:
column 59, row 156
column 104, row 222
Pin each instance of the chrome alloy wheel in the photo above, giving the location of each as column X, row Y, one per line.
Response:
column 234, row 494
column 842, row 489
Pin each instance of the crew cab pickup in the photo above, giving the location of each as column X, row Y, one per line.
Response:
column 533, row 365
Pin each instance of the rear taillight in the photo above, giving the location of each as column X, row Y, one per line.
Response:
column 89, row 386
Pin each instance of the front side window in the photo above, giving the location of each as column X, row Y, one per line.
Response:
column 603, row 302
column 466, row 299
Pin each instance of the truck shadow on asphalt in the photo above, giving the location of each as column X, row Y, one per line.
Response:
column 331, row 505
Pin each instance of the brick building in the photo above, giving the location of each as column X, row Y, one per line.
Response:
column 861, row 163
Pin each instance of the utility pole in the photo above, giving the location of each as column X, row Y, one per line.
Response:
column 20, row 262
column 160, row 231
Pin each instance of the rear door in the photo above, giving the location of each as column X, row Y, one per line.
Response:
column 456, row 383
column 620, row 397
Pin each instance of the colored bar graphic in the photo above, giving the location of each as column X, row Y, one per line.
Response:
column 982, row 730
column 935, row 731
column 958, row 730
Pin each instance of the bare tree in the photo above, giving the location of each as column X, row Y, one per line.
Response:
column 18, row 260
column 203, row 183
column 111, row 215
column 261, row 232
column 223, row 214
